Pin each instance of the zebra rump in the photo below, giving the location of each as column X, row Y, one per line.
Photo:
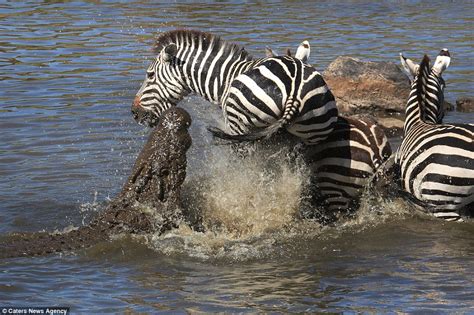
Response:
column 281, row 92
column 344, row 164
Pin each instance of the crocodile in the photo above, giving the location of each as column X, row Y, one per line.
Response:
column 149, row 201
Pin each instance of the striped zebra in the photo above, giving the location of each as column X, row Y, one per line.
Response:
column 302, row 52
column 343, row 165
column 258, row 97
column 435, row 161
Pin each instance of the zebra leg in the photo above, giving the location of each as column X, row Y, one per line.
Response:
column 468, row 211
column 320, row 206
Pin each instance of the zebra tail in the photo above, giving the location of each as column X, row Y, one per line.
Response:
column 291, row 110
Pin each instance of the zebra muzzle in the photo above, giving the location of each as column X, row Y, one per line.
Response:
column 136, row 108
column 136, row 101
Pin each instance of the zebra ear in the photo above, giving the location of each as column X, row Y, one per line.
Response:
column 169, row 52
column 442, row 61
column 303, row 51
column 410, row 68
column 269, row 52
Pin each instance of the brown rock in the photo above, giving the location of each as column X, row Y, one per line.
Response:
column 392, row 126
column 465, row 104
column 448, row 106
column 365, row 86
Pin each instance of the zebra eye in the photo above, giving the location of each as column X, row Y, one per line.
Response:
column 150, row 75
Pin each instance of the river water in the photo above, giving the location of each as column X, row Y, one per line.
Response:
column 69, row 72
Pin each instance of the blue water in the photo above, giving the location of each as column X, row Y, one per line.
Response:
column 69, row 72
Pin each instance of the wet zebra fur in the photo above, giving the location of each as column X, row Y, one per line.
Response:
column 343, row 165
column 257, row 97
column 435, row 161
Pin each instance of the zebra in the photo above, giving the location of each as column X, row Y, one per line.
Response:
column 344, row 164
column 258, row 96
column 435, row 161
column 302, row 52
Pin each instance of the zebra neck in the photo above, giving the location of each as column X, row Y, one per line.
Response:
column 424, row 104
column 412, row 112
column 234, row 71
column 210, row 76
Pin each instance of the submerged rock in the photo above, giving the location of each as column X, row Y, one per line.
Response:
column 366, row 86
column 149, row 201
column 392, row 126
column 465, row 104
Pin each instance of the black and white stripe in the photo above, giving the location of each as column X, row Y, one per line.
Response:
column 435, row 161
column 258, row 97
column 343, row 164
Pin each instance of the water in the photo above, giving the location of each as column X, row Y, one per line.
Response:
column 69, row 72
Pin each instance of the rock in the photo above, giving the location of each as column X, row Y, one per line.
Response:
column 449, row 107
column 465, row 104
column 367, row 87
column 392, row 126
column 148, row 202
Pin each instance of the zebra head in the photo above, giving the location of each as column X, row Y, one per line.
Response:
column 442, row 63
column 161, row 89
column 428, row 84
column 302, row 53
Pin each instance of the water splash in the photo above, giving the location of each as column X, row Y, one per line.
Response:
column 250, row 209
column 250, row 196
column 243, row 203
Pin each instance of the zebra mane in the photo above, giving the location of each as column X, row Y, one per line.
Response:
column 207, row 39
column 421, row 85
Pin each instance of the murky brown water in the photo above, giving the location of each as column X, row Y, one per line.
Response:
column 68, row 75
